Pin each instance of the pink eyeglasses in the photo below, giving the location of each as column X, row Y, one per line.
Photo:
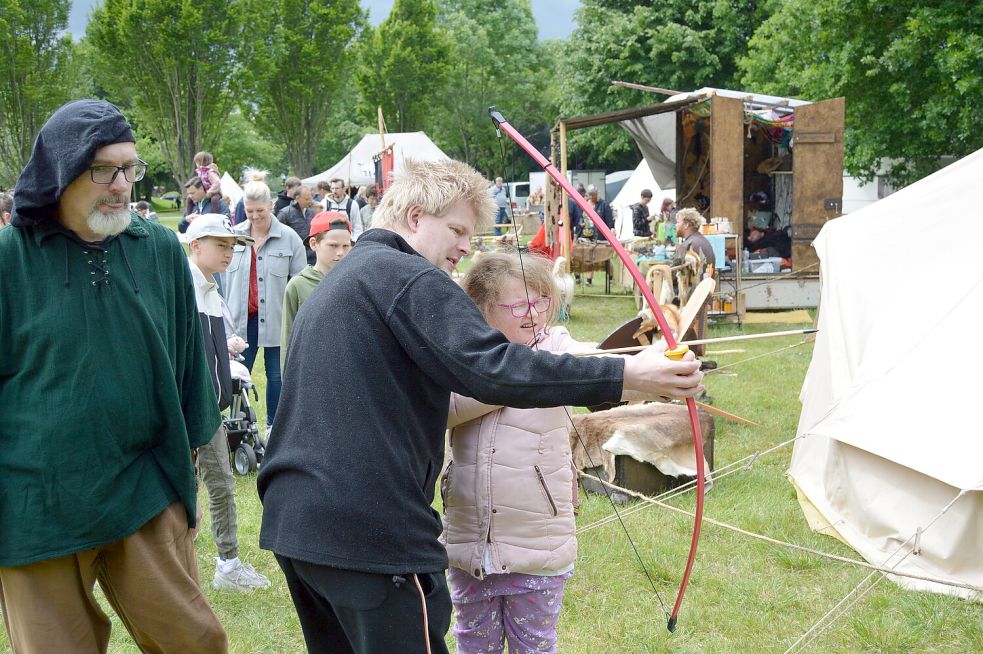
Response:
column 521, row 308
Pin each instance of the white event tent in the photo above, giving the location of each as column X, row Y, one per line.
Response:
column 357, row 167
column 630, row 193
column 231, row 190
column 890, row 451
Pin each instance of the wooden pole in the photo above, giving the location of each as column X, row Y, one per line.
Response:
column 382, row 128
column 567, row 235
column 649, row 89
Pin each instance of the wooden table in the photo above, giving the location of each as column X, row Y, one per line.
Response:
column 588, row 257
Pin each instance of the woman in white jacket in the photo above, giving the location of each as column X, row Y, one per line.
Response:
column 510, row 488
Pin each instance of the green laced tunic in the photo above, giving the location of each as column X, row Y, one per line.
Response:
column 104, row 388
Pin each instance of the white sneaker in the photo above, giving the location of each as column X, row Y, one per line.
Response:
column 237, row 575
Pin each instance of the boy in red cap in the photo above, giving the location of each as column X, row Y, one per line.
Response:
column 330, row 239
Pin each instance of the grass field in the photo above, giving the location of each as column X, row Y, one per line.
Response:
column 744, row 596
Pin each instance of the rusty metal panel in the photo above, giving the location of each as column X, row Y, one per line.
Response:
column 727, row 159
column 817, row 173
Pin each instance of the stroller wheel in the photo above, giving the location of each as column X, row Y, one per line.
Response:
column 244, row 459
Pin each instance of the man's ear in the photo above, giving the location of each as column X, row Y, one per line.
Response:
column 413, row 215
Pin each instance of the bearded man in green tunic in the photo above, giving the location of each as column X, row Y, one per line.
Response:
column 104, row 393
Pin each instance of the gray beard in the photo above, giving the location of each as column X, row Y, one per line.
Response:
column 108, row 224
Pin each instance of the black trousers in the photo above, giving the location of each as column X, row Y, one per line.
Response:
column 343, row 611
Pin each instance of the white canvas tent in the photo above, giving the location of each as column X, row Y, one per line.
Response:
column 357, row 167
column 890, row 456
column 231, row 190
column 630, row 194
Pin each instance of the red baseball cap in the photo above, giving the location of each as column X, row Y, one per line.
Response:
column 322, row 222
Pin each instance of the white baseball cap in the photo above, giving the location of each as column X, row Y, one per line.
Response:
column 214, row 224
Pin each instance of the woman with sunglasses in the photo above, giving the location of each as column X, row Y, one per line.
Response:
column 510, row 488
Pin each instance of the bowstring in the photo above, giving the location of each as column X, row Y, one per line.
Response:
column 580, row 440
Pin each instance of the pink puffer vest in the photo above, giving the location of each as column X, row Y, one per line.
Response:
column 510, row 485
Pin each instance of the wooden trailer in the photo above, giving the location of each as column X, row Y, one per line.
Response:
column 719, row 148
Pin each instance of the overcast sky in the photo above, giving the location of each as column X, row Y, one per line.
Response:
column 554, row 18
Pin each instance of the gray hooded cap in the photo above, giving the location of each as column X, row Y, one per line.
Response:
column 64, row 149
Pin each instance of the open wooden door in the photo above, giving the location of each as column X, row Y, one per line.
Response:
column 726, row 159
column 817, row 174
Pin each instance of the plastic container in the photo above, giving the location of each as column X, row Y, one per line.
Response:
column 765, row 266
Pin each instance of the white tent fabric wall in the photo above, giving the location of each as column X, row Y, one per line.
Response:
column 630, row 194
column 888, row 432
column 231, row 190
column 357, row 167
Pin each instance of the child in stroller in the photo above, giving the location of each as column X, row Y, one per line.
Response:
column 241, row 427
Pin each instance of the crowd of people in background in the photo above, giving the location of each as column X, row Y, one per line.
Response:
column 115, row 366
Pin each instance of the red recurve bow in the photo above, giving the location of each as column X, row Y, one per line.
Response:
column 673, row 351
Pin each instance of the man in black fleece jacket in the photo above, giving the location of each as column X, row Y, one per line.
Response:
column 358, row 442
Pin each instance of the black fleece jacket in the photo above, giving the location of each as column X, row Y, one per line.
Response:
column 358, row 442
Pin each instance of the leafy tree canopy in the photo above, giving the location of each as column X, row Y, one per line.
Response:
column 909, row 69
column 38, row 75
column 403, row 66
column 173, row 65
column 496, row 61
column 294, row 64
column 671, row 44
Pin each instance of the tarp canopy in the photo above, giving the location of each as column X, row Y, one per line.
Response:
column 655, row 133
column 889, row 435
column 630, row 193
column 357, row 167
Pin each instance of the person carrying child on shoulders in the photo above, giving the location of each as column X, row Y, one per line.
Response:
column 330, row 239
column 507, row 572
column 207, row 172
column 211, row 241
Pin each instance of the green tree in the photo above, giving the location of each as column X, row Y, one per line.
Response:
column 172, row 64
column 499, row 62
column 672, row 44
column 346, row 127
column 293, row 67
column 37, row 75
column 403, row 66
column 909, row 70
column 241, row 146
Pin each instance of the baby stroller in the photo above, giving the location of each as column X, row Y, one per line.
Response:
column 245, row 445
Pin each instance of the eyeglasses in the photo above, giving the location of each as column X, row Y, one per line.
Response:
column 133, row 172
column 521, row 308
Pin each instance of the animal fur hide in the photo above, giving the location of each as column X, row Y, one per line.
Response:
column 653, row 433
column 565, row 286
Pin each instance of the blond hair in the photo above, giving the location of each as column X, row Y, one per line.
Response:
column 691, row 217
column 483, row 282
column 436, row 186
column 256, row 188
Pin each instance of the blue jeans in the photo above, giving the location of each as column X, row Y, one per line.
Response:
column 499, row 219
column 271, row 356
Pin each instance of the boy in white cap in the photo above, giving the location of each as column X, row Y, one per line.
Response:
column 211, row 240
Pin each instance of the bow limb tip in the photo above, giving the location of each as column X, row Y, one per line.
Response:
column 496, row 116
column 672, row 625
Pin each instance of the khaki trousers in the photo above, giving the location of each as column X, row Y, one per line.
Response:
column 150, row 578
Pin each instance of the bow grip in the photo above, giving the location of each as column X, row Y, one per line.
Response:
column 677, row 353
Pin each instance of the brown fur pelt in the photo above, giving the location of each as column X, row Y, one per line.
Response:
column 659, row 280
column 655, row 433
column 689, row 275
column 649, row 323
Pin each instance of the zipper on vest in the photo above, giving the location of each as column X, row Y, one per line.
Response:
column 542, row 481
